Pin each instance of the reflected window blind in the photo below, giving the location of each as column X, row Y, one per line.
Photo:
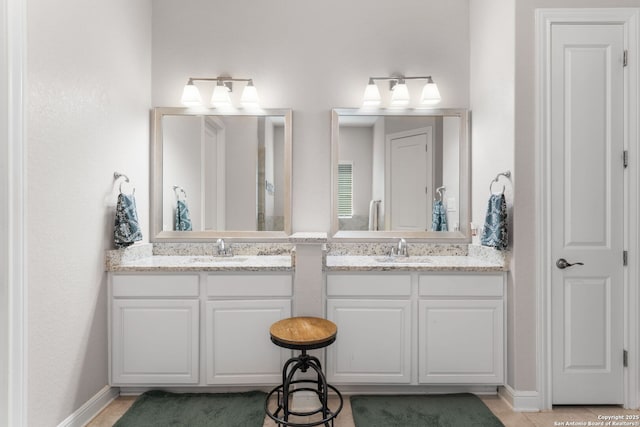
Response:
column 345, row 189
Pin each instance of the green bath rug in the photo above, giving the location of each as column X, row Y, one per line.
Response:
column 162, row 409
column 439, row 410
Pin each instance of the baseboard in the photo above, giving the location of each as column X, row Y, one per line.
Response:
column 520, row 401
column 91, row 408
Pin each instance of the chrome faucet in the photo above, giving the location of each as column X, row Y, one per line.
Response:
column 402, row 248
column 222, row 249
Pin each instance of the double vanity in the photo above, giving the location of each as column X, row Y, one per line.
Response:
column 183, row 316
column 416, row 306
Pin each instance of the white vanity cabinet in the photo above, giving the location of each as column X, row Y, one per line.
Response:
column 373, row 314
column 461, row 329
column 416, row 328
column 239, row 311
column 197, row 329
column 155, row 329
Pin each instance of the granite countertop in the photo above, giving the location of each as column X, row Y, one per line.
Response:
column 178, row 263
column 413, row 263
column 423, row 257
column 178, row 257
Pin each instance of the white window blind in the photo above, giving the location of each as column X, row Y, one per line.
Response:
column 345, row 189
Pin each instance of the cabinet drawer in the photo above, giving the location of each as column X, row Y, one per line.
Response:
column 369, row 285
column 461, row 285
column 155, row 285
column 231, row 285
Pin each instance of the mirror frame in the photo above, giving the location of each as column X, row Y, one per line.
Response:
column 156, row 202
column 464, row 206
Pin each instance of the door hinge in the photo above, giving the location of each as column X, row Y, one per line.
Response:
column 625, row 158
column 625, row 58
column 625, row 358
column 625, row 257
column 426, row 190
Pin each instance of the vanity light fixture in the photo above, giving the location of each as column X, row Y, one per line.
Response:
column 400, row 96
column 371, row 95
column 221, row 93
column 220, row 97
column 430, row 93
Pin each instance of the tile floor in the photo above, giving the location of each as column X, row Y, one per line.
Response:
column 563, row 415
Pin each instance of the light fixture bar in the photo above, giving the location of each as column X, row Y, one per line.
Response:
column 191, row 95
column 399, row 91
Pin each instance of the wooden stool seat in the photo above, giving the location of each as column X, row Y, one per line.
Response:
column 303, row 333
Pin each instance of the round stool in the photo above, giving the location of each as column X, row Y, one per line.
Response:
column 303, row 333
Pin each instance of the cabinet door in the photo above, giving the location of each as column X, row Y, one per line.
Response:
column 239, row 349
column 461, row 341
column 155, row 341
column 373, row 344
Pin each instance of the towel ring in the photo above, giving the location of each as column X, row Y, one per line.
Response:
column 118, row 175
column 440, row 191
column 491, row 185
column 506, row 174
column 177, row 189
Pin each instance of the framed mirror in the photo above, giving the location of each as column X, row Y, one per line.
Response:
column 401, row 173
column 220, row 175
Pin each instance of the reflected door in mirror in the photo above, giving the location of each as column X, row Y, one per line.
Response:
column 400, row 161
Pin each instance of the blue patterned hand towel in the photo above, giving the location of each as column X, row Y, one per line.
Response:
column 439, row 216
column 494, row 233
column 183, row 219
column 127, row 228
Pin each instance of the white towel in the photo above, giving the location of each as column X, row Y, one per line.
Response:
column 373, row 215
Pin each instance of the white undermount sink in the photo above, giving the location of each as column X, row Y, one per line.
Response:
column 216, row 259
column 404, row 260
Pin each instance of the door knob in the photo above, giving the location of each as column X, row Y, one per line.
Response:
column 562, row 263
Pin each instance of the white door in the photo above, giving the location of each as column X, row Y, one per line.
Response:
column 587, row 213
column 410, row 175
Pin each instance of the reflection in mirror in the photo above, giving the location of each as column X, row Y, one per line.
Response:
column 221, row 174
column 404, row 173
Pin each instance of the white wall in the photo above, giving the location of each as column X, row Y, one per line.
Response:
column 88, row 115
column 356, row 145
column 451, row 168
column 4, row 219
column 278, row 165
column 492, row 88
column 241, row 166
column 311, row 57
column 182, row 139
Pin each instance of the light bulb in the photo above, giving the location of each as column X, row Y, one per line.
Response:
column 371, row 96
column 249, row 98
column 191, row 96
column 430, row 94
column 220, row 97
column 400, row 95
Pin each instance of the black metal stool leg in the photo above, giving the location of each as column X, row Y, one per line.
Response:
column 287, row 385
column 302, row 363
